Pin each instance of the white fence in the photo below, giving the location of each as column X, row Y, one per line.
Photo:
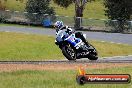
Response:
column 35, row 18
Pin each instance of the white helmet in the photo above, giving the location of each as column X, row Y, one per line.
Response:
column 58, row 24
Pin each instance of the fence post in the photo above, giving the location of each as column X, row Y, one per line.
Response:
column 130, row 26
column 78, row 23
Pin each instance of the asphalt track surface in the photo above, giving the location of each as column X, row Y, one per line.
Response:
column 108, row 37
column 101, row 36
column 116, row 59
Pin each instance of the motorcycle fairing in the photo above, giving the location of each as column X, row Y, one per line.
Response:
column 76, row 42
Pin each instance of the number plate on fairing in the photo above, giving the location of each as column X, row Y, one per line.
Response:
column 72, row 39
column 76, row 42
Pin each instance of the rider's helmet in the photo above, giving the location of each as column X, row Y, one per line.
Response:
column 58, row 24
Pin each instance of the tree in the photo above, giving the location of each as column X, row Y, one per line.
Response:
column 119, row 10
column 63, row 3
column 79, row 8
column 2, row 8
column 37, row 8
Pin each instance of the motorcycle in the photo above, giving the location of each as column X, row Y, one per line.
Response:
column 74, row 46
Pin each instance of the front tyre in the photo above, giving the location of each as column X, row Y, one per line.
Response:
column 93, row 55
column 68, row 52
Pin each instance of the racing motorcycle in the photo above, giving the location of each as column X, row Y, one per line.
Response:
column 74, row 46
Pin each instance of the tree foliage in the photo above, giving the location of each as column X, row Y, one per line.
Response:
column 120, row 10
column 79, row 8
column 117, row 9
column 79, row 5
column 63, row 3
column 2, row 7
column 40, row 7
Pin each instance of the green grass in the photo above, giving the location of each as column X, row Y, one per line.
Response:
column 18, row 46
column 15, row 46
column 15, row 5
column 57, row 79
column 106, row 49
column 93, row 23
column 18, row 25
column 92, row 10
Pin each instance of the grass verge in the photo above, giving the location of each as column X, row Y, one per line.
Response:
column 57, row 79
column 94, row 9
column 18, row 46
column 18, row 25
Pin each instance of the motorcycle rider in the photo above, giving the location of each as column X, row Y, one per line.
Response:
column 60, row 26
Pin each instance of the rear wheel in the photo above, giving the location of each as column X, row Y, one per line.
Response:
column 69, row 52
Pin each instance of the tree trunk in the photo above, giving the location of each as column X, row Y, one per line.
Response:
column 78, row 16
column 78, row 23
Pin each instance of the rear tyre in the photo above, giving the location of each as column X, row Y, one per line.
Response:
column 68, row 52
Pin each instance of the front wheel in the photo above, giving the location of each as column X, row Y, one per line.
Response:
column 93, row 55
column 68, row 52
